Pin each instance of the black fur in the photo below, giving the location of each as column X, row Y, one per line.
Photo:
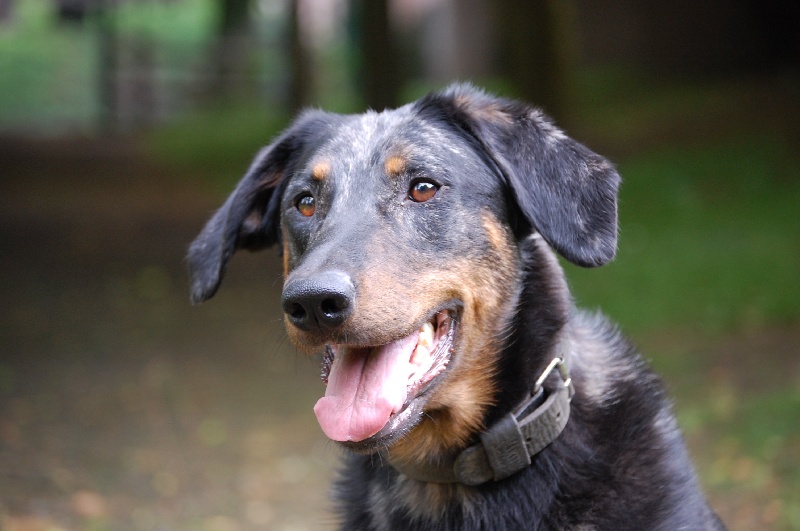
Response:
column 620, row 463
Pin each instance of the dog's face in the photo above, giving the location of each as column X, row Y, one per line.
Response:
column 399, row 260
column 399, row 233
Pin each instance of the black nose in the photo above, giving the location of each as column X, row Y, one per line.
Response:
column 323, row 301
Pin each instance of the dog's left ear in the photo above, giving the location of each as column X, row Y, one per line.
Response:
column 249, row 218
column 565, row 191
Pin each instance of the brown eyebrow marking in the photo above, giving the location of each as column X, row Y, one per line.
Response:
column 395, row 165
column 321, row 170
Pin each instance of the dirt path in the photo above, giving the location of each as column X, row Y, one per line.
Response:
column 122, row 407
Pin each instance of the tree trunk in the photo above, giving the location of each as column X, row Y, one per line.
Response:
column 378, row 73
column 107, row 66
column 232, row 53
column 538, row 42
column 301, row 87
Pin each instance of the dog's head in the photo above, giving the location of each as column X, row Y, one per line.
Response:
column 400, row 233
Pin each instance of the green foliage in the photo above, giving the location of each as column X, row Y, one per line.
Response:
column 49, row 81
column 185, row 21
column 46, row 70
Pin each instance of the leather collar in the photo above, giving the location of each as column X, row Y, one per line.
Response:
column 507, row 446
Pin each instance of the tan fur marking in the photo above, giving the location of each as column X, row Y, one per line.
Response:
column 395, row 165
column 286, row 256
column 498, row 235
column 321, row 170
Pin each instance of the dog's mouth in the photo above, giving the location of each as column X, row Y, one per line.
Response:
column 375, row 394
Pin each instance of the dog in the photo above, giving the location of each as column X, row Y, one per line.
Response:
column 419, row 254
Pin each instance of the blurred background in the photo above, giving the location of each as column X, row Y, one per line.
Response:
column 124, row 123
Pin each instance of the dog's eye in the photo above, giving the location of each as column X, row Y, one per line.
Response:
column 306, row 204
column 422, row 191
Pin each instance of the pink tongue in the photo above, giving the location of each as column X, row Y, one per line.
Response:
column 365, row 387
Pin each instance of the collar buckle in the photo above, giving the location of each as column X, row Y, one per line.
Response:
column 509, row 445
column 563, row 371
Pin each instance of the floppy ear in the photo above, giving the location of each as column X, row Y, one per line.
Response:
column 564, row 190
column 249, row 218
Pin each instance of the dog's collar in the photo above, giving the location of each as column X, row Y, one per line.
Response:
column 508, row 446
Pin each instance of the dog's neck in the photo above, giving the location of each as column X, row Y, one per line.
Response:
column 535, row 413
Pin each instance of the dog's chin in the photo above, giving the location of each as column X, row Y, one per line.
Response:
column 424, row 355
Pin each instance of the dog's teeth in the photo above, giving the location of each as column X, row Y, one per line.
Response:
column 424, row 345
column 426, row 335
column 421, row 357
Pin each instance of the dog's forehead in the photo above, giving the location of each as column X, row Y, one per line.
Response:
column 356, row 136
column 390, row 140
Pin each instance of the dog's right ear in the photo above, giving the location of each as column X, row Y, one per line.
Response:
column 249, row 219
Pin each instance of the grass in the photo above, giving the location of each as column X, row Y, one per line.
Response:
column 746, row 448
column 708, row 239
